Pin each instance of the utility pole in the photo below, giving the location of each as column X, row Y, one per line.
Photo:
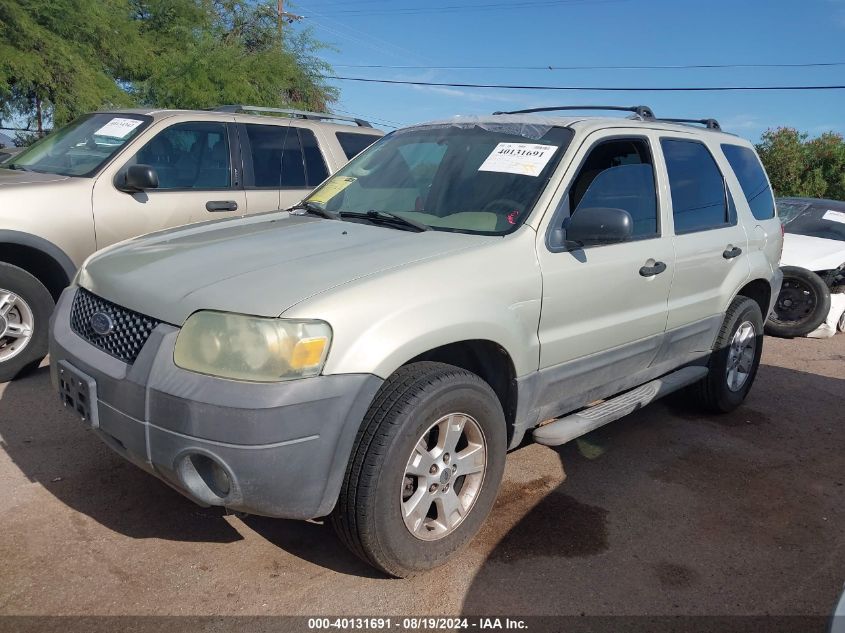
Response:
column 285, row 16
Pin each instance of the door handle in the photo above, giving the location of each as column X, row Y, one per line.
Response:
column 221, row 205
column 651, row 271
column 732, row 252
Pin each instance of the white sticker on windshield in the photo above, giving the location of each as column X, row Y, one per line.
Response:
column 834, row 216
column 118, row 128
column 527, row 159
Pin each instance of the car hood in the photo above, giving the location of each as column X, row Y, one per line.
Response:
column 812, row 253
column 259, row 266
column 13, row 177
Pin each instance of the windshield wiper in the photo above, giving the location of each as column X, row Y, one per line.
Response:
column 313, row 209
column 385, row 217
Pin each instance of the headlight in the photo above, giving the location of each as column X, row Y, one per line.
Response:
column 245, row 347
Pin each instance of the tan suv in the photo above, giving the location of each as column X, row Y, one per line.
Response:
column 109, row 176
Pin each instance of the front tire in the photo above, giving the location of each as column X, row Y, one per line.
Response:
column 735, row 358
column 25, row 309
column 425, row 469
column 802, row 305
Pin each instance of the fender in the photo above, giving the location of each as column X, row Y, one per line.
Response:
column 40, row 244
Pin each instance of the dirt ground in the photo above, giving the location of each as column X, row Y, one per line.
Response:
column 665, row 512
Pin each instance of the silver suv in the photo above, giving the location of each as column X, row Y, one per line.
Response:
column 113, row 175
column 373, row 353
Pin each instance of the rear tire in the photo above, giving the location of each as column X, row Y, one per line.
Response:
column 395, row 461
column 802, row 305
column 735, row 358
column 24, row 301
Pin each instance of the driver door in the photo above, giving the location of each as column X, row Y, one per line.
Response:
column 197, row 181
column 605, row 306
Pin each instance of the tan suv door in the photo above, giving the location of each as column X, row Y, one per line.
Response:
column 710, row 243
column 604, row 306
column 193, row 161
column 282, row 163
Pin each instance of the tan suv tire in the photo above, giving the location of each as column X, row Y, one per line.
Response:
column 735, row 358
column 408, row 455
column 30, row 306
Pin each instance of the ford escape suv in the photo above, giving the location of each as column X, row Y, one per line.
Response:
column 113, row 175
column 374, row 352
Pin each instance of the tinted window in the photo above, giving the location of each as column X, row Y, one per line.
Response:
column 353, row 144
column 293, row 164
column 619, row 174
column 752, row 179
column 189, row 156
column 265, row 143
column 698, row 189
column 315, row 166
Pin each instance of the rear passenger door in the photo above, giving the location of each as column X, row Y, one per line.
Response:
column 711, row 245
column 282, row 163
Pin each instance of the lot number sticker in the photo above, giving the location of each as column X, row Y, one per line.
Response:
column 834, row 216
column 118, row 128
column 518, row 158
column 331, row 189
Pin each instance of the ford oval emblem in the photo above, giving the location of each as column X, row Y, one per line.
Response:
column 101, row 323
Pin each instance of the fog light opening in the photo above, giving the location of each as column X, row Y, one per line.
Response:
column 212, row 474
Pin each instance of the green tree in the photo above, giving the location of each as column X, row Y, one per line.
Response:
column 62, row 58
column 800, row 167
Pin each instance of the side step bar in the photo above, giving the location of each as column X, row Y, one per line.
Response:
column 577, row 424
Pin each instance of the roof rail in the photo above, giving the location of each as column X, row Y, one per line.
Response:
column 710, row 124
column 294, row 114
column 644, row 112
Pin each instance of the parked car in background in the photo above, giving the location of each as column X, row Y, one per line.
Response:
column 375, row 352
column 7, row 153
column 109, row 176
column 813, row 264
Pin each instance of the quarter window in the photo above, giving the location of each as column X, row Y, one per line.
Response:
column 699, row 200
column 752, row 179
column 619, row 174
column 189, row 156
column 353, row 144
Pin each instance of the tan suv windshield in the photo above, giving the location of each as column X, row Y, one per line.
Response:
column 449, row 178
column 82, row 147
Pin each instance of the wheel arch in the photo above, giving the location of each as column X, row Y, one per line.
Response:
column 40, row 258
column 759, row 291
column 487, row 359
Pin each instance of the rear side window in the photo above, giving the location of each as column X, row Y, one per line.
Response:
column 699, row 201
column 285, row 157
column 353, row 144
column 752, row 179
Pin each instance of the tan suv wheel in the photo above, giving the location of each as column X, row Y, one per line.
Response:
column 425, row 469
column 25, row 309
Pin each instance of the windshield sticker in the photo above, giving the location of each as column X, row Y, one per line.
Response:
column 331, row 189
column 834, row 216
column 118, row 128
column 526, row 159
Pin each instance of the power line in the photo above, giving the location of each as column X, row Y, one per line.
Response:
column 632, row 67
column 457, row 8
column 585, row 88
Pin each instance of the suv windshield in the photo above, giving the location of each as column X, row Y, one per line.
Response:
column 82, row 147
column 450, row 178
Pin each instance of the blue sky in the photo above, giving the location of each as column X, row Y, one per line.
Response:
column 589, row 32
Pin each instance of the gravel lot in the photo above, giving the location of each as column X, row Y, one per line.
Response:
column 664, row 512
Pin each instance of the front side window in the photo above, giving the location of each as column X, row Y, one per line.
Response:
column 752, row 179
column 83, row 147
column 699, row 200
column 461, row 178
column 191, row 155
column 619, row 174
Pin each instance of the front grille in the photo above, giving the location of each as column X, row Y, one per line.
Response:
column 128, row 333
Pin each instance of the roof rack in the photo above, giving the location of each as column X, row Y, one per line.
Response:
column 710, row 124
column 294, row 114
column 644, row 112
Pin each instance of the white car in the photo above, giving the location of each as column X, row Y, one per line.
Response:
column 813, row 263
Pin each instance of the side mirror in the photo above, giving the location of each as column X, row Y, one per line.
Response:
column 140, row 178
column 599, row 225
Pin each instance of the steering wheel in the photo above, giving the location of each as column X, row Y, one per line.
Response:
column 511, row 209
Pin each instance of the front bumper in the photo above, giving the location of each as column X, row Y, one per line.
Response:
column 283, row 446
